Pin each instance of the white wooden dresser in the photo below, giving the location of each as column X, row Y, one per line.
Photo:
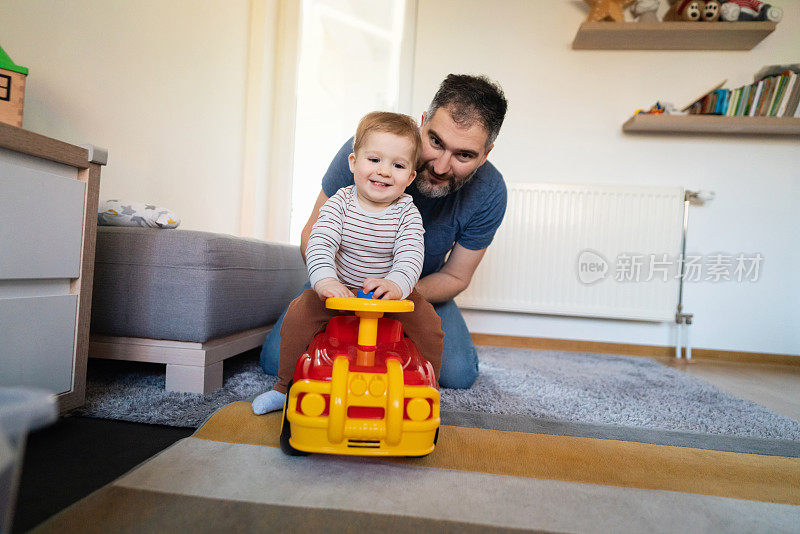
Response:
column 48, row 225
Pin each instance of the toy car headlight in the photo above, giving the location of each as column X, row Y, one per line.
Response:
column 313, row 404
column 418, row 409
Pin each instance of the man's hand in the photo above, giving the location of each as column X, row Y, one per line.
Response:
column 384, row 289
column 331, row 287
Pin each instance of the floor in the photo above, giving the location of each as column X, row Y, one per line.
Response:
column 775, row 386
column 77, row 455
column 70, row 459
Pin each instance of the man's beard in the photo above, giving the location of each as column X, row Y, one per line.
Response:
column 443, row 189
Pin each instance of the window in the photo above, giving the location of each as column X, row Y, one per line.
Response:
column 5, row 87
column 351, row 57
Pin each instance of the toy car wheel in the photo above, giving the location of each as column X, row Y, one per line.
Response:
column 286, row 430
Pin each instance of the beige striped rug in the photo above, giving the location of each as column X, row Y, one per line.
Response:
column 231, row 476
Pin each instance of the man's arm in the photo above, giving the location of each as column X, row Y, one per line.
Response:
column 306, row 233
column 453, row 277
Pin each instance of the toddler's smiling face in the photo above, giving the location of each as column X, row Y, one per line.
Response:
column 382, row 169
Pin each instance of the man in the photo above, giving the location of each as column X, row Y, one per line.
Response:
column 462, row 200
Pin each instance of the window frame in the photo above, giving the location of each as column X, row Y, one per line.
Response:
column 7, row 88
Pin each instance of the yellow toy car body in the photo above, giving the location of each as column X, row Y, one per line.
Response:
column 362, row 388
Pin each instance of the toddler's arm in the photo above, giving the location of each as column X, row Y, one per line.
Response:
column 323, row 243
column 409, row 251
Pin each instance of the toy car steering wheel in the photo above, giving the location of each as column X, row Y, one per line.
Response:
column 365, row 303
column 368, row 310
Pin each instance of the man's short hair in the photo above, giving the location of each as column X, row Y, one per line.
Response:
column 471, row 98
column 394, row 123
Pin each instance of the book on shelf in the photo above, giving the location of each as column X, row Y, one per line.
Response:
column 724, row 98
column 736, row 97
column 743, row 100
column 785, row 101
column 775, row 92
column 793, row 107
column 766, row 97
column 733, row 110
column 752, row 100
column 778, row 83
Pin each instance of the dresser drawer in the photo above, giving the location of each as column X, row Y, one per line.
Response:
column 41, row 220
column 48, row 224
column 38, row 337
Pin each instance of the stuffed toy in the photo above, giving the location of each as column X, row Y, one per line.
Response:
column 607, row 9
column 121, row 213
column 693, row 10
column 645, row 10
column 733, row 10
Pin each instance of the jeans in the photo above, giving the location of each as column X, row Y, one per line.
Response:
column 459, row 359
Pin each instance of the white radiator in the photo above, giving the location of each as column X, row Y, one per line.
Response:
column 548, row 255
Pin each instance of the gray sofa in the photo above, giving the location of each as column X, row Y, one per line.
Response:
column 187, row 299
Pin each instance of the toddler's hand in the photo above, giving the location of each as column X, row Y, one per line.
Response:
column 331, row 287
column 384, row 289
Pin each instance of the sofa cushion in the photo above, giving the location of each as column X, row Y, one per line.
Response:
column 189, row 286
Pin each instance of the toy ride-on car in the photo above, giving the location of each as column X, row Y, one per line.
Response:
column 362, row 387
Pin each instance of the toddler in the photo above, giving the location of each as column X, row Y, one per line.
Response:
column 368, row 236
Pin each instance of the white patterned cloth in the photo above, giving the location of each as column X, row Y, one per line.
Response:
column 123, row 213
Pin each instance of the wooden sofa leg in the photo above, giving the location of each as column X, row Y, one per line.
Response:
column 194, row 378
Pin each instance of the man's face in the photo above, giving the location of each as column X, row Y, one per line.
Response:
column 451, row 154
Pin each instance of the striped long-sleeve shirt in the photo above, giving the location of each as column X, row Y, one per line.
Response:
column 351, row 244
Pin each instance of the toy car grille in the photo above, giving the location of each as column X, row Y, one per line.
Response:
column 363, row 444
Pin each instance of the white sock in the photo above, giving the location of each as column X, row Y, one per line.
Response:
column 268, row 402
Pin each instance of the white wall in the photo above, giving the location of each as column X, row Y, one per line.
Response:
column 564, row 125
column 160, row 84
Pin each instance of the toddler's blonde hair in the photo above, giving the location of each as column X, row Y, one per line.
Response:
column 394, row 123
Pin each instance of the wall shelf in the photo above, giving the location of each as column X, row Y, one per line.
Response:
column 671, row 35
column 712, row 124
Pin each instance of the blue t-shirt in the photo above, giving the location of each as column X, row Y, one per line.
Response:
column 469, row 217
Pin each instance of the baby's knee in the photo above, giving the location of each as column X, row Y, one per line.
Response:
column 299, row 303
column 301, row 307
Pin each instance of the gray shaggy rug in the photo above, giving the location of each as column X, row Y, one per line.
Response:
column 565, row 386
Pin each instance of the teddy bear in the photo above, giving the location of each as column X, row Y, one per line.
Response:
column 733, row 10
column 693, row 10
